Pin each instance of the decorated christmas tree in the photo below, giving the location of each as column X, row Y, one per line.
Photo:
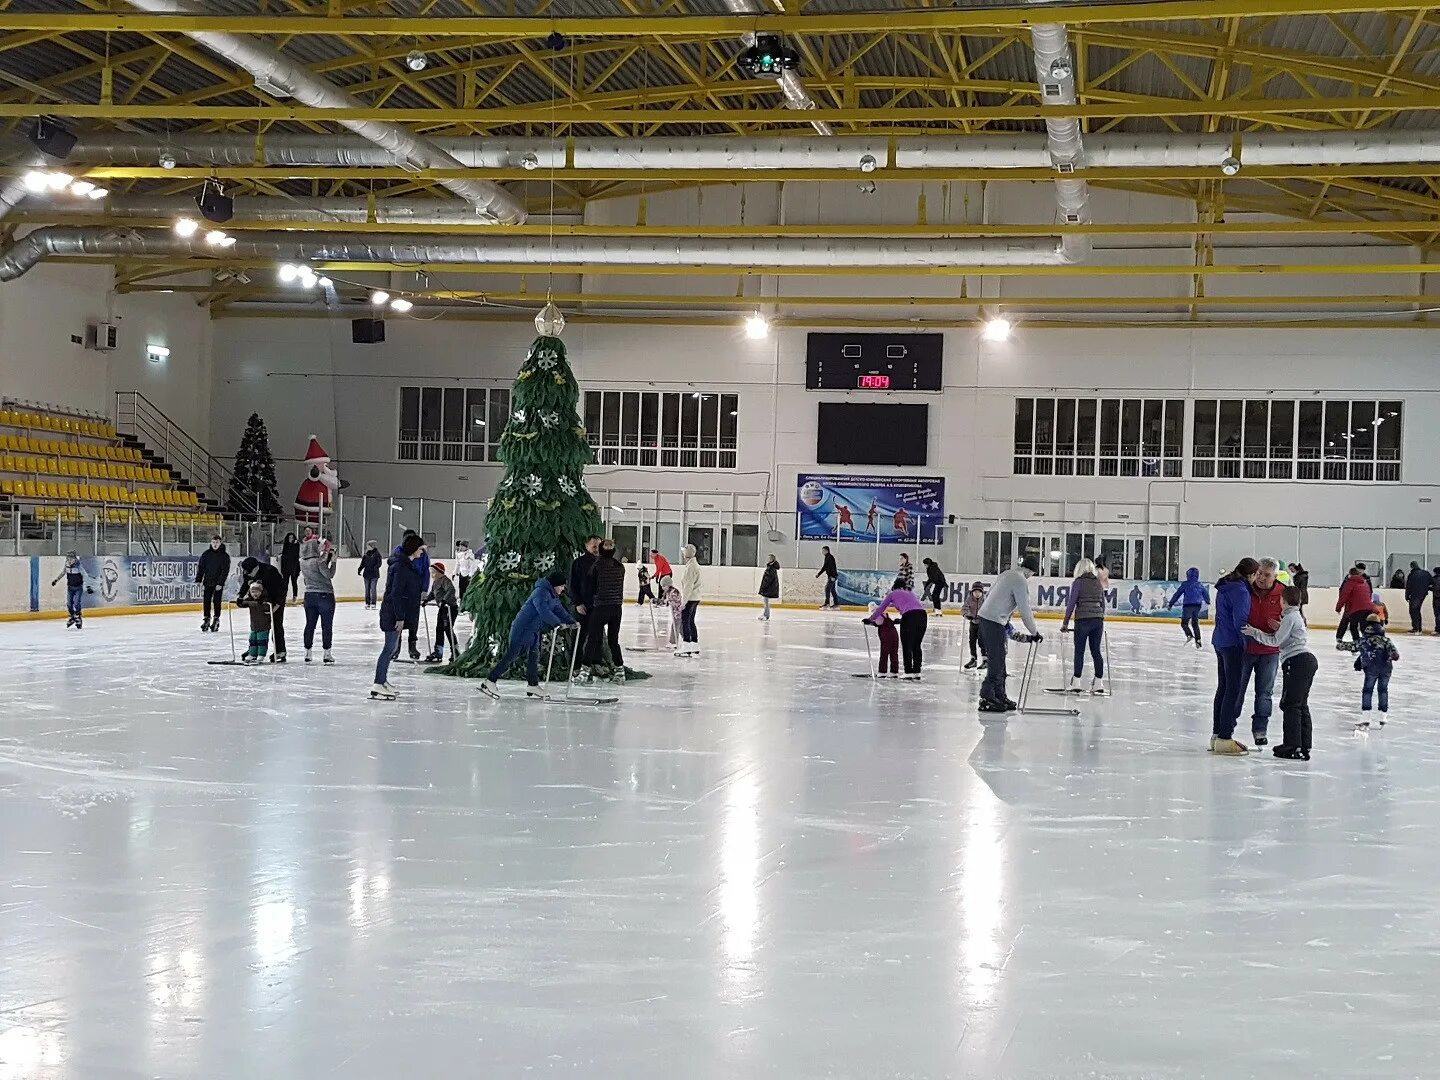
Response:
column 252, row 486
column 541, row 513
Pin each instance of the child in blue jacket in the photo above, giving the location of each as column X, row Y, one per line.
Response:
column 542, row 611
column 1192, row 595
column 1377, row 660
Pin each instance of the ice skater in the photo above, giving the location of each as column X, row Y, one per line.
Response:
column 422, row 567
column 211, row 575
column 1298, row 665
column 75, row 590
column 541, row 611
column 369, row 571
column 465, row 567
column 252, row 570
column 936, row 586
column 447, row 607
column 404, row 583
column 970, row 609
column 906, row 572
column 1232, row 613
column 1353, row 606
column 1377, row 660
column 290, row 564
column 581, row 585
column 1086, row 603
column 912, row 625
column 1192, row 595
column 830, row 572
column 317, row 568
column 607, row 608
column 691, row 593
column 645, row 593
column 889, row 638
column 261, row 617
column 1009, row 594
column 769, row 585
column 670, row 597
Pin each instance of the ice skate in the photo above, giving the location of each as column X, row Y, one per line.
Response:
column 983, row 664
column 278, row 658
column 1075, row 686
column 990, row 705
column 584, row 676
column 79, row 623
column 910, row 676
column 434, row 658
column 970, row 664
column 1098, row 688
column 69, row 622
column 534, row 693
column 414, row 653
column 1199, row 644
column 249, row 661
column 328, row 659
column 1227, row 746
column 618, row 676
column 1363, row 724
column 1380, row 722
column 382, row 692
column 489, row 689
column 1292, row 753
column 1259, row 739
column 1011, row 705
column 307, row 656
column 205, row 627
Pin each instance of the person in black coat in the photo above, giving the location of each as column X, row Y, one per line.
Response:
column 290, row 563
column 211, row 575
column 770, row 585
column 936, row 586
column 369, row 569
column 1418, row 586
column 1300, row 578
column 252, row 569
column 582, row 587
column 607, row 606
column 404, row 585
column 830, row 571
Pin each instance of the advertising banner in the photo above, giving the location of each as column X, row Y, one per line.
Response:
column 858, row 506
column 1136, row 599
column 146, row 581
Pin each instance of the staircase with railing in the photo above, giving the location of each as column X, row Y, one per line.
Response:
column 141, row 424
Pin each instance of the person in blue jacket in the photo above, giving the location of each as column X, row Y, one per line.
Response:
column 400, row 607
column 422, row 567
column 1232, row 612
column 1192, row 595
column 542, row 611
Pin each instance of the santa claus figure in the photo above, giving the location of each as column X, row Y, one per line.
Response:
column 313, row 499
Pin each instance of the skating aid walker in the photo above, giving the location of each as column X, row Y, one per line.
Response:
column 1027, row 677
column 873, row 674
column 234, row 661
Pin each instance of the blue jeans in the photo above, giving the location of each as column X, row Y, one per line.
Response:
column 529, row 644
column 74, row 601
column 1088, row 632
column 1379, row 680
column 1190, row 621
column 371, row 588
column 319, row 606
column 1264, row 666
column 382, row 665
column 1229, row 690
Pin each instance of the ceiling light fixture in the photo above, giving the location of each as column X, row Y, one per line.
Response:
column 1061, row 67
column 219, row 238
column 289, row 273
column 58, row 181
column 35, row 180
column 186, row 226
column 167, row 160
column 98, row 193
column 529, row 162
column 401, row 305
column 997, row 329
column 81, row 187
column 214, row 204
column 416, row 60
column 867, row 187
column 868, row 163
column 757, row 326
column 324, row 282
column 379, row 296
column 1230, row 166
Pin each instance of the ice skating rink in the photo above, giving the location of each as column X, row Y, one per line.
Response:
column 754, row 866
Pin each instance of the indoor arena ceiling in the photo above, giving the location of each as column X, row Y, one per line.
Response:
column 581, row 76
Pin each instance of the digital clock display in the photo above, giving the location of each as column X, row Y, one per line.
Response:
column 874, row 382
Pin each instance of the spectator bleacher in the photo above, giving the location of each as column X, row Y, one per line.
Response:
column 66, row 466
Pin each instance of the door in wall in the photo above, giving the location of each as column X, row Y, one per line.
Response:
column 1112, row 556
column 1046, row 551
column 626, row 539
column 703, row 537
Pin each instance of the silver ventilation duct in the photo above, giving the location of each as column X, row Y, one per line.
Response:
column 507, row 248
column 796, row 96
column 167, row 208
column 1055, row 71
column 274, row 70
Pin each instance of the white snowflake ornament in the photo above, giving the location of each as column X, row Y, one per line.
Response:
column 531, row 484
column 567, row 485
column 546, row 359
column 544, row 563
column 518, row 416
column 550, row 419
column 510, row 560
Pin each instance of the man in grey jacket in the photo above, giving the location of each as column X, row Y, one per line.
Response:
column 1009, row 594
column 317, row 570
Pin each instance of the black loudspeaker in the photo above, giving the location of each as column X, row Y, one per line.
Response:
column 367, row 331
column 50, row 138
column 214, row 204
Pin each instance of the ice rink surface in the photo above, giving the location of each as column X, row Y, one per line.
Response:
column 753, row 866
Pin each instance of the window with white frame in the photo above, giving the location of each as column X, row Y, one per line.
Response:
column 1281, row 439
column 452, row 423
column 663, row 429
column 1099, row 436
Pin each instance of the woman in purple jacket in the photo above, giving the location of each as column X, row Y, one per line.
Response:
column 912, row 625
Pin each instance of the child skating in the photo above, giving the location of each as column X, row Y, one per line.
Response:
column 447, row 608
column 971, row 610
column 1298, row 665
column 260, row 618
column 670, row 596
column 75, row 590
column 542, row 611
column 1377, row 660
column 1192, row 595
column 888, row 633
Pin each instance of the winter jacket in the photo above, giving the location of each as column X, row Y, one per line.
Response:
column 1192, row 591
column 370, row 564
column 1009, row 594
column 214, row 568
column 770, row 582
column 73, row 574
column 582, row 585
column 1398, row 581
column 541, row 611
column 465, row 564
column 1265, row 612
column 607, row 581
column 662, row 566
column 1377, row 654
column 1301, row 581
column 442, row 593
column 259, row 612
column 422, row 562
column 1086, row 599
column 1291, row 638
column 690, row 591
column 290, row 555
column 935, row 576
column 403, row 586
column 902, row 600
column 1232, row 611
column 828, row 568
column 906, row 573
column 971, row 607
column 252, row 569
column 317, row 568
column 1354, row 595
column 1418, row 585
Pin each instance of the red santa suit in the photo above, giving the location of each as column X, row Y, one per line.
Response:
column 320, row 481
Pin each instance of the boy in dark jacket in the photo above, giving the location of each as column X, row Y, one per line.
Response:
column 643, row 572
column 970, row 609
column 1377, row 660
column 769, row 585
column 447, row 606
column 260, row 619
column 1192, row 596
column 606, row 607
column 542, row 611
column 252, row 570
column 369, row 570
column 580, row 584
column 831, row 572
column 935, row 585
column 211, row 575
column 75, row 590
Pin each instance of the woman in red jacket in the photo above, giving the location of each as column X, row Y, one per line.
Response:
column 1353, row 606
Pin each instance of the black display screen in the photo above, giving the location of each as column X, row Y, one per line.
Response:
column 871, row 433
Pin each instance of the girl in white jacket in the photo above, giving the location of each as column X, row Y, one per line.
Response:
column 690, row 597
column 465, row 567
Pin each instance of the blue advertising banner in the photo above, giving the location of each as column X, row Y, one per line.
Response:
column 857, row 506
column 1143, row 599
column 145, row 580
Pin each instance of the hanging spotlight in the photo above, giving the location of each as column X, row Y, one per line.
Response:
column 550, row 322
column 306, row 272
column 529, row 162
column 58, row 181
column 1230, row 166
column 1061, row 68
column 757, row 326
column 997, row 329
column 98, row 193
column 379, row 296
column 167, row 160
column 401, row 305
column 216, row 238
column 289, row 273
column 214, row 204
column 35, row 180
column 81, row 187
column 324, row 282
column 186, row 226
column 768, row 58
column 868, row 163
column 50, row 137
column 416, row 60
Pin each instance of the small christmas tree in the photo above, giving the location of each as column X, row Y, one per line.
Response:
column 252, row 487
column 540, row 515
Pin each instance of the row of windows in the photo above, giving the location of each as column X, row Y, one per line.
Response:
column 1057, row 555
column 452, row 423
column 1098, row 437
column 1275, row 439
column 646, row 428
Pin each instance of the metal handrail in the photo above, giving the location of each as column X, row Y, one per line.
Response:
column 148, row 423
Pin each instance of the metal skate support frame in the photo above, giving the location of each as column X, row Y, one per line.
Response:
column 234, row 660
column 567, row 699
column 1026, row 679
column 873, row 674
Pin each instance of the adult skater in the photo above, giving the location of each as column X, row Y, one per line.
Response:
column 465, row 567
column 1192, row 595
column 829, row 570
column 1354, row 605
column 607, row 607
column 1232, row 614
column 1262, row 660
column 1300, row 578
column 912, row 625
column 662, row 567
column 936, row 587
column 1086, row 603
column 581, row 584
column 317, row 567
column 1417, row 589
column 691, row 593
column 1299, row 665
column 369, row 571
column 211, row 575
column 1009, row 594
column 541, row 611
column 769, row 585
column 906, row 572
column 75, row 588
column 273, row 584
column 290, row 564
column 404, row 583
column 422, row 566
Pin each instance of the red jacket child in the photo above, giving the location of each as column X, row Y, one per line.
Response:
column 1355, row 596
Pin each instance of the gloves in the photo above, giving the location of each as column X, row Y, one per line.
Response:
column 1030, row 639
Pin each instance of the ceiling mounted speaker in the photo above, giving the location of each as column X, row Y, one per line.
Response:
column 214, row 204
column 367, row 331
column 51, row 138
